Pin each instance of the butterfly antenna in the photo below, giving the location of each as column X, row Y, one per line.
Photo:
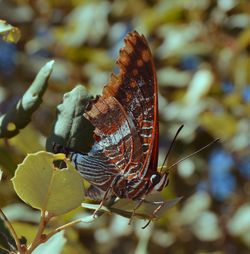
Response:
column 171, row 146
column 190, row 155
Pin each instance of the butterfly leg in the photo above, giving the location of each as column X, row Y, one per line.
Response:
column 160, row 204
column 140, row 201
column 105, row 197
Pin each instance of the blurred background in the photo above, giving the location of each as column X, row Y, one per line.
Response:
column 201, row 52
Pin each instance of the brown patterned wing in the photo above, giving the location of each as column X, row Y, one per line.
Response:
column 126, row 115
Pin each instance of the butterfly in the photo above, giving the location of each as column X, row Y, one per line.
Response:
column 123, row 159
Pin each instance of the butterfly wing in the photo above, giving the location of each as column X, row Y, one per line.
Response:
column 136, row 89
column 125, row 118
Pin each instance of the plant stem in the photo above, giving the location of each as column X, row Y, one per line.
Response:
column 18, row 244
column 43, row 222
column 72, row 223
column 38, row 239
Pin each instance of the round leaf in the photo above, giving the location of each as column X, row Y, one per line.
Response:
column 38, row 183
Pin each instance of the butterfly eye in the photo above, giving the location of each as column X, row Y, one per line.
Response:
column 154, row 179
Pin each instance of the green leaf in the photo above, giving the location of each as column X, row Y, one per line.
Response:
column 124, row 207
column 1, row 174
column 110, row 210
column 20, row 114
column 27, row 230
column 41, row 185
column 9, row 32
column 54, row 245
column 22, row 212
column 70, row 128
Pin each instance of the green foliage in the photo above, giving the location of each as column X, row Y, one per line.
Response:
column 41, row 185
column 124, row 207
column 201, row 51
column 54, row 245
column 20, row 114
column 70, row 128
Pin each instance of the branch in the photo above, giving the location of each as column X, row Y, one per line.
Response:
column 12, row 231
column 39, row 236
column 89, row 219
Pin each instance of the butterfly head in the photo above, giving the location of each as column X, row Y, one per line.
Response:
column 159, row 181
